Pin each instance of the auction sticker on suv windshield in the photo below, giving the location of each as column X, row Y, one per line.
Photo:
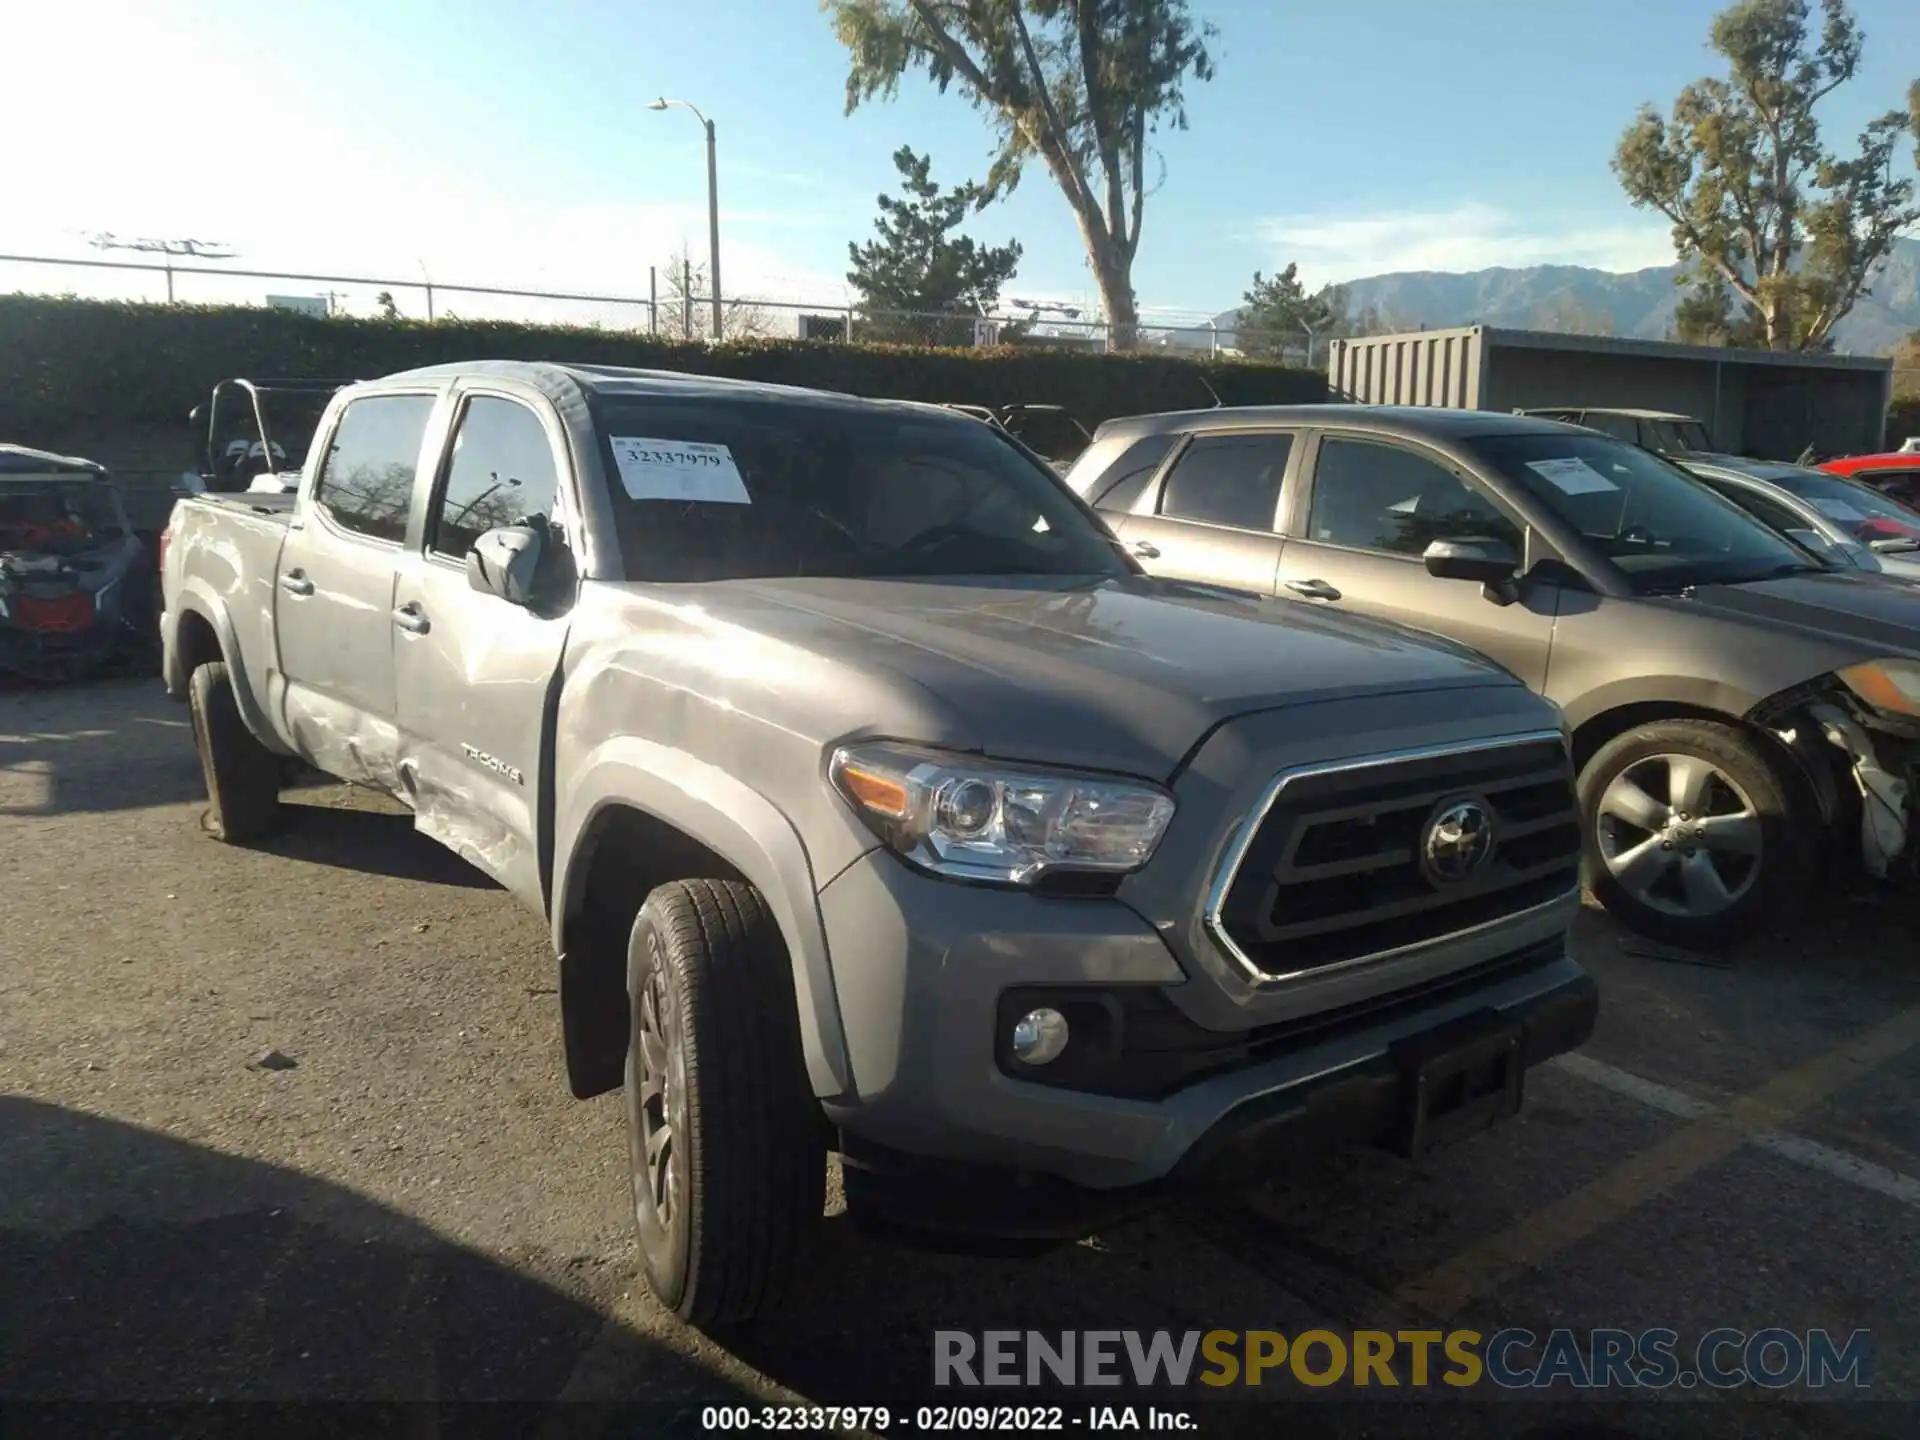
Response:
column 678, row 470
column 1572, row 476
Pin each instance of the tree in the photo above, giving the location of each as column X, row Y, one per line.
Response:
column 383, row 302
column 1080, row 84
column 1790, row 228
column 1278, row 316
column 919, row 267
column 1906, row 367
column 1705, row 315
column 686, row 311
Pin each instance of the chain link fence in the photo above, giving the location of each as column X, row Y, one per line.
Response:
column 669, row 310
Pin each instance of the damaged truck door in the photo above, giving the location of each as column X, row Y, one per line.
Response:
column 333, row 594
column 472, row 671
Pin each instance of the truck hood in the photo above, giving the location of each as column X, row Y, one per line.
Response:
column 1125, row 675
column 1864, row 616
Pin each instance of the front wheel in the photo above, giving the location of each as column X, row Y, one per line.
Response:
column 729, row 1174
column 1695, row 834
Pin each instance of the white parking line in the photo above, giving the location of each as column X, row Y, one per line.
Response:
column 1810, row 1153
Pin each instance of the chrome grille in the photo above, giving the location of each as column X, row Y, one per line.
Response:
column 1330, row 871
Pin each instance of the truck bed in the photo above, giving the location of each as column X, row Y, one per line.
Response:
column 274, row 506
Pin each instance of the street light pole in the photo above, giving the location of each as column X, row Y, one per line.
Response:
column 713, row 207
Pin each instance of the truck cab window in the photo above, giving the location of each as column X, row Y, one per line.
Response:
column 366, row 479
column 502, row 473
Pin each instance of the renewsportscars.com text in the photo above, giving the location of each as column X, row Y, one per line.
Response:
column 1510, row 1359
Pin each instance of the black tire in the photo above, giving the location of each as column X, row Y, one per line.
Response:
column 242, row 775
column 710, row 992
column 1774, row 809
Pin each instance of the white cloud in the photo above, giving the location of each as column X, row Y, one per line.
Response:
column 1331, row 248
column 192, row 129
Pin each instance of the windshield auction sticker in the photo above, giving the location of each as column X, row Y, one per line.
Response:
column 1572, row 475
column 679, row 470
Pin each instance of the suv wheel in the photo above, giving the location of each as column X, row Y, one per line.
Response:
column 242, row 775
column 729, row 1175
column 1694, row 834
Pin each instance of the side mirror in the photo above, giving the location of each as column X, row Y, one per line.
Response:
column 1492, row 563
column 506, row 562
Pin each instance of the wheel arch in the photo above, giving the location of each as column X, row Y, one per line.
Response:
column 1796, row 765
column 203, row 632
column 637, row 815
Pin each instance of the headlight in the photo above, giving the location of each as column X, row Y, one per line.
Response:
column 973, row 819
column 1891, row 685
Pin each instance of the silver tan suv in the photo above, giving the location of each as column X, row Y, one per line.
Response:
column 1743, row 712
column 877, row 803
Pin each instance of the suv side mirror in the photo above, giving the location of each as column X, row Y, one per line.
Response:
column 1490, row 562
column 506, row 563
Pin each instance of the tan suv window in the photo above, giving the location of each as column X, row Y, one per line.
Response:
column 1369, row 496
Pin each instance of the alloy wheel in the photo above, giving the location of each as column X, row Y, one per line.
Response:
column 659, row 1101
column 1679, row 835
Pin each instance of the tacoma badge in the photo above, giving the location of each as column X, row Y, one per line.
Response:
column 499, row 767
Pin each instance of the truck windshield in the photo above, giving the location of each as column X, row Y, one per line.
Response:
column 1663, row 529
column 746, row 489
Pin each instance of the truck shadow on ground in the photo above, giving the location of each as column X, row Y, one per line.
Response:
column 866, row 1337
column 144, row 1271
column 372, row 842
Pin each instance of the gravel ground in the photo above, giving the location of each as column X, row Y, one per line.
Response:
column 415, row 1211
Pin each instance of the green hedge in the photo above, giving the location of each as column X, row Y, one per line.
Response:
column 67, row 364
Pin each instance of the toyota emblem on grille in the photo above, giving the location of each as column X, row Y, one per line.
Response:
column 1458, row 841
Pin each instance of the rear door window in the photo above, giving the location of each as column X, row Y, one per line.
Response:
column 1228, row 480
column 366, row 479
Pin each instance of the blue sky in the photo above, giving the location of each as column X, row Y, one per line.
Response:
column 500, row 142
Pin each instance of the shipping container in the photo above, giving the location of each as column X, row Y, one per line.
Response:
column 1772, row 404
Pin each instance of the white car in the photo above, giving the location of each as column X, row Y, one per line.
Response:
column 1840, row 518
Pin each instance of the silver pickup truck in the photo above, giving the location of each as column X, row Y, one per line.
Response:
column 879, row 804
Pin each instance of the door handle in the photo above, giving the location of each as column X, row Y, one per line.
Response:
column 1145, row 549
column 412, row 619
column 295, row 583
column 1312, row 589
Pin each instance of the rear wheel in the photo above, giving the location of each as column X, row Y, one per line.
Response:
column 242, row 775
column 1695, row 834
column 729, row 1175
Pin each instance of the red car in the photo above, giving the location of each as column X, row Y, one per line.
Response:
column 1895, row 474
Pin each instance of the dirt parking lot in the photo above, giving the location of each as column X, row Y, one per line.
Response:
column 416, row 1211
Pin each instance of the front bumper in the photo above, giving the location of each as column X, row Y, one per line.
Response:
column 920, row 966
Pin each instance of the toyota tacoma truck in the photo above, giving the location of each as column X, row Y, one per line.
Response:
column 878, row 803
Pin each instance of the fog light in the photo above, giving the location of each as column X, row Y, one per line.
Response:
column 1039, row 1036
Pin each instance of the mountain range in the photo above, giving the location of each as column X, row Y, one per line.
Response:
column 1635, row 304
